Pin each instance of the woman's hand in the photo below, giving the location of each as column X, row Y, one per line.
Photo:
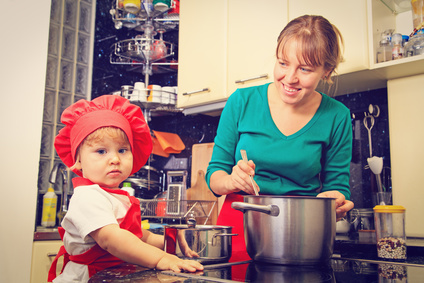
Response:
column 223, row 183
column 342, row 204
column 240, row 177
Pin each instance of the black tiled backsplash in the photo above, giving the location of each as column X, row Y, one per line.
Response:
column 202, row 129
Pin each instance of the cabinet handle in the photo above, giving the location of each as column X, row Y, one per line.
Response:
column 196, row 91
column 264, row 76
column 51, row 254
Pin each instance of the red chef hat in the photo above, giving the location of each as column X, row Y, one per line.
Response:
column 84, row 117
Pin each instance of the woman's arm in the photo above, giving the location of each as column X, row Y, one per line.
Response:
column 337, row 155
column 225, row 174
column 126, row 246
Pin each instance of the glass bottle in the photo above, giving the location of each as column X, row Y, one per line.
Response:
column 384, row 51
column 397, row 49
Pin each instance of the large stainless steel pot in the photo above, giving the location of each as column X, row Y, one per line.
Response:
column 212, row 243
column 289, row 230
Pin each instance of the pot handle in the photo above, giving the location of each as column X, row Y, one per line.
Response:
column 271, row 209
column 220, row 235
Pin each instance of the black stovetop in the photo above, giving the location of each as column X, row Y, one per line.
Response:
column 337, row 270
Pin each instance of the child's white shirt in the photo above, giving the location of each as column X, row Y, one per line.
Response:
column 90, row 208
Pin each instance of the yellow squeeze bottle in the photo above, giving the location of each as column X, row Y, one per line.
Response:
column 48, row 218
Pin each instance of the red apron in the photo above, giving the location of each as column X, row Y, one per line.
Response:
column 97, row 258
column 230, row 217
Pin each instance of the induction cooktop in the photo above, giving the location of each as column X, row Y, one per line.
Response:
column 337, row 270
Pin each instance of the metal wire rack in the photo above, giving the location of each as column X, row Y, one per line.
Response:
column 201, row 210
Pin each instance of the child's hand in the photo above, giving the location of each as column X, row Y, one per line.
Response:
column 172, row 262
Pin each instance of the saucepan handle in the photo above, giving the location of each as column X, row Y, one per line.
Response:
column 220, row 235
column 270, row 209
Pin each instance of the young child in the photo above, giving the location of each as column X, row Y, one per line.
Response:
column 104, row 141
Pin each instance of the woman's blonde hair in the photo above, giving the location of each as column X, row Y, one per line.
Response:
column 98, row 135
column 318, row 40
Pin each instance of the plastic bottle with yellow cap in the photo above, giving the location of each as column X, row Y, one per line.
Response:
column 390, row 231
column 48, row 217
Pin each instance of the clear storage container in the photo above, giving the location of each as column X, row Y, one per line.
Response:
column 415, row 45
column 384, row 51
column 390, row 231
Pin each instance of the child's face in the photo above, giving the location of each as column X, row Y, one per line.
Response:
column 107, row 162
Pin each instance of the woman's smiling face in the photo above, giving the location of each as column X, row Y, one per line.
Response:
column 295, row 80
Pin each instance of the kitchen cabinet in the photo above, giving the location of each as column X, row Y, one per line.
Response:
column 350, row 17
column 253, row 29
column 202, row 52
column 228, row 44
column 405, row 100
column 381, row 15
column 224, row 45
column 43, row 253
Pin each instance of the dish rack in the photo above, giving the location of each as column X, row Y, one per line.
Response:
column 180, row 210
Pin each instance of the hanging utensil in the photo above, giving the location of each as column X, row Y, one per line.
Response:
column 369, row 124
column 244, row 156
column 376, row 165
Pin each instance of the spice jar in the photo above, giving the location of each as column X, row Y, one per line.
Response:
column 389, row 223
column 384, row 51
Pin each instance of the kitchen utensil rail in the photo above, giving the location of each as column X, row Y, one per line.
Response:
column 159, row 209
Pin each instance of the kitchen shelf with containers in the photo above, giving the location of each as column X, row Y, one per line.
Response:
column 397, row 32
column 144, row 52
column 153, row 99
column 384, row 16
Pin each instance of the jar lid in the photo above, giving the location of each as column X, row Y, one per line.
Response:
column 389, row 209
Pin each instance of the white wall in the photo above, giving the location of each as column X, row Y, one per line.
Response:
column 406, row 116
column 23, row 53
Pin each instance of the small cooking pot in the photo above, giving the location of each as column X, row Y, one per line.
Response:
column 212, row 243
column 289, row 229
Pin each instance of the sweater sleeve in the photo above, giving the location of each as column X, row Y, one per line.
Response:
column 337, row 156
column 223, row 156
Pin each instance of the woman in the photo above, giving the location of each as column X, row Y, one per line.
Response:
column 298, row 140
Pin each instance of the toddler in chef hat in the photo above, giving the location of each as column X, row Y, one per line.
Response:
column 104, row 141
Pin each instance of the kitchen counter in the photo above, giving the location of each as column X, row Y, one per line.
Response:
column 46, row 234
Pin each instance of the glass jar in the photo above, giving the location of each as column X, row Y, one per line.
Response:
column 415, row 45
column 384, row 51
column 418, row 45
column 389, row 223
column 362, row 219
